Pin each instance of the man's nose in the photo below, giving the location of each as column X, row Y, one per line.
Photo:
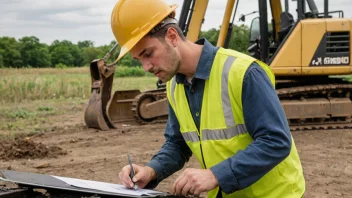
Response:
column 147, row 66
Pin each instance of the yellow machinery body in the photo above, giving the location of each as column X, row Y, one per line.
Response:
column 295, row 56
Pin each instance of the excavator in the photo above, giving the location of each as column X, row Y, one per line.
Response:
column 308, row 54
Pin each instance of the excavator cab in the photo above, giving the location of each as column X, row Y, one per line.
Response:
column 308, row 54
column 283, row 23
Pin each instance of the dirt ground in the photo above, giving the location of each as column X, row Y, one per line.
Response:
column 73, row 150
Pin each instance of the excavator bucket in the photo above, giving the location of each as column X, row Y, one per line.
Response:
column 96, row 115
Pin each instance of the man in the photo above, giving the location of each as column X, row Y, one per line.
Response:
column 223, row 109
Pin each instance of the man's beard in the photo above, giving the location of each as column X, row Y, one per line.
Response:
column 173, row 61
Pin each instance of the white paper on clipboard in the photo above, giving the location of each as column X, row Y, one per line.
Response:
column 108, row 187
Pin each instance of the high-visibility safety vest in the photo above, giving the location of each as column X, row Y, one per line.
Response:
column 222, row 129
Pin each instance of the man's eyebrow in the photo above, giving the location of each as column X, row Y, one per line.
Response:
column 140, row 54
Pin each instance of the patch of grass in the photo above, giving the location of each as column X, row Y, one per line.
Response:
column 20, row 114
column 344, row 77
column 46, row 108
column 33, row 116
column 348, row 78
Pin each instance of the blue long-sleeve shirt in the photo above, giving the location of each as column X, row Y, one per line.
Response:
column 264, row 118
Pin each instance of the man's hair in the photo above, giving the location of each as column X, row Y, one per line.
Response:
column 160, row 33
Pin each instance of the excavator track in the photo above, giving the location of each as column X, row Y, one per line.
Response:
column 324, row 91
column 140, row 102
column 300, row 93
column 323, row 126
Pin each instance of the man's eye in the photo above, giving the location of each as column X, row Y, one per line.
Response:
column 149, row 54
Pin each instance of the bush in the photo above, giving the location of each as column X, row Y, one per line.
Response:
column 60, row 66
column 1, row 62
column 122, row 71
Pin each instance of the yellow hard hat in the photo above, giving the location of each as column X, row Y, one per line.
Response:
column 131, row 20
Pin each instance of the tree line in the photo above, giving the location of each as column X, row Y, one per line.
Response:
column 28, row 51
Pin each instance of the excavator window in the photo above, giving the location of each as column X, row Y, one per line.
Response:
column 286, row 23
column 254, row 30
column 254, row 38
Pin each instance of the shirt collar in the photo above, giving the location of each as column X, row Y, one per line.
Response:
column 204, row 64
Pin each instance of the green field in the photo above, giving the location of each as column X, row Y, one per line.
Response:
column 17, row 85
column 31, row 100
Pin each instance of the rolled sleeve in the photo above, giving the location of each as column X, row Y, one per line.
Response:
column 154, row 164
column 223, row 173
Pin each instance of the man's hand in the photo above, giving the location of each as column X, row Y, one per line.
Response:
column 194, row 181
column 143, row 175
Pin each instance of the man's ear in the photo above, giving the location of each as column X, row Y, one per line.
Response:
column 172, row 36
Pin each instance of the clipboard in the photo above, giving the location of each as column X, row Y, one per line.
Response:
column 49, row 182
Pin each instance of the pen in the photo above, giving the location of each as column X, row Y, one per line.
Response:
column 135, row 186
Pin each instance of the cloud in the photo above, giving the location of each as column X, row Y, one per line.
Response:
column 78, row 20
column 48, row 20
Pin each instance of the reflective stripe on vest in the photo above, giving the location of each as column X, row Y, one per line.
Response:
column 226, row 105
column 216, row 134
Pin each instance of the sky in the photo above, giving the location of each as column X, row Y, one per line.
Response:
column 78, row 20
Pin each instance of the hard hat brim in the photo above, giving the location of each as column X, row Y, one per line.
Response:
column 134, row 40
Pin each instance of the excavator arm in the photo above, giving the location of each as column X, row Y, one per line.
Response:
column 276, row 10
column 192, row 17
